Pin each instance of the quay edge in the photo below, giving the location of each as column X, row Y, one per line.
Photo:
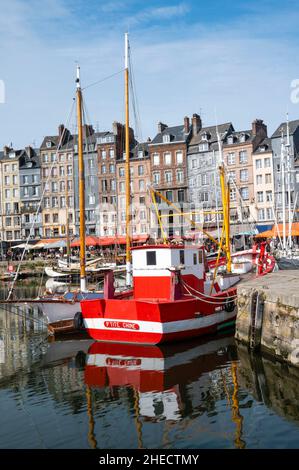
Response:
column 268, row 315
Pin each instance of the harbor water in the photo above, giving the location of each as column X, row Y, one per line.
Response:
column 75, row 393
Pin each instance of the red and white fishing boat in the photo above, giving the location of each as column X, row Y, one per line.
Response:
column 172, row 299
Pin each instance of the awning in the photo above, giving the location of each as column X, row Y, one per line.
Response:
column 264, row 228
column 278, row 231
column 58, row 244
column 21, row 246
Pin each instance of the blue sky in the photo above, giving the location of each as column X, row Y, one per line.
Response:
column 227, row 60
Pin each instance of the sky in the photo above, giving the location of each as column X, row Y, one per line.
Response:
column 225, row 60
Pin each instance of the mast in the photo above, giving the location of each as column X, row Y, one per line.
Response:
column 81, row 184
column 289, row 184
column 127, row 149
column 283, row 195
column 68, row 241
column 225, row 206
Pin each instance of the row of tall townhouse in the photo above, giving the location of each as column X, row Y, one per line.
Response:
column 181, row 162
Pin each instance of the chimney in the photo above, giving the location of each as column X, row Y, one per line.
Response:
column 259, row 128
column 186, row 125
column 6, row 150
column 161, row 127
column 149, row 139
column 60, row 130
column 196, row 124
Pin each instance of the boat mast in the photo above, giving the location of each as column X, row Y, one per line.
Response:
column 289, row 184
column 225, row 205
column 68, row 241
column 283, row 193
column 127, row 140
column 81, row 184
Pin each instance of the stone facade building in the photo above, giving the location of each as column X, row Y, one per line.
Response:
column 168, row 155
column 30, row 193
column 203, row 170
column 294, row 164
column 57, row 183
column 10, row 195
column 238, row 149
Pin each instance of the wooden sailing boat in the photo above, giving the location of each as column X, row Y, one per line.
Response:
column 63, row 311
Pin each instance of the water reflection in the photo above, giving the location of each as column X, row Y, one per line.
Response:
column 74, row 393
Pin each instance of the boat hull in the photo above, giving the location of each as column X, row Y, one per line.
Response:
column 285, row 263
column 144, row 322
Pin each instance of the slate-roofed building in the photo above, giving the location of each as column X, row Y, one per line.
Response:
column 276, row 137
column 168, row 155
column 30, row 192
column 57, row 183
column 203, row 172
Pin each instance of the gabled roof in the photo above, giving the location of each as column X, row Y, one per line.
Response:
column 293, row 126
column 211, row 132
column 264, row 147
column 237, row 135
column 176, row 133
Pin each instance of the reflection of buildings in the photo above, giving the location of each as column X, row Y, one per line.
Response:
column 16, row 326
column 270, row 381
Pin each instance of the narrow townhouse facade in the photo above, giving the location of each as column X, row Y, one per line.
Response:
column 263, row 183
column 92, row 206
column 238, row 149
column 10, row 195
column 57, row 183
column 203, row 171
column 140, row 174
column 276, row 142
column 168, row 156
column 110, row 148
column 30, row 193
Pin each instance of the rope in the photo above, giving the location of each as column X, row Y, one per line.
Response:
column 221, row 301
column 103, row 79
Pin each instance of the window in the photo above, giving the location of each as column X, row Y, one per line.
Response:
column 204, row 179
column 45, row 172
column 269, row 196
column 7, row 180
column 122, row 187
column 8, row 221
column 269, row 213
column 180, row 176
column 54, row 201
column 260, row 196
column 268, row 178
column 111, row 153
column 233, row 194
column 232, row 176
column 45, row 158
column 70, row 170
column 92, row 199
column 204, row 197
column 193, row 163
column 156, row 177
column 14, row 167
column 243, row 175
column 141, row 185
column 47, row 218
column 151, row 258
column 62, row 186
column 230, row 140
column 140, row 170
column 55, row 218
column 267, row 162
column 242, row 137
column 112, row 168
column 179, row 158
column 181, row 195
column 243, row 158
column 113, row 185
column 7, row 193
column 140, row 153
column 6, row 168
column 104, row 154
column 142, row 201
column 142, row 215
column 169, row 196
column 244, row 193
column 104, row 170
column 231, row 158
column 70, row 201
column 62, row 157
column 48, row 144
column 168, row 176
column 14, row 179
column 259, row 179
column 167, row 158
column 54, row 186
column 54, row 172
column 258, row 163
column 46, row 202
column 182, row 257
column 156, row 159
column 166, row 138
column 61, row 171
column 261, row 214
column 131, row 171
column 15, row 193
column 62, row 202
column 204, row 147
column 121, row 171
column 194, row 258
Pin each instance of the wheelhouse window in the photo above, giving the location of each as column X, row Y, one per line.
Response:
column 151, row 258
column 182, row 257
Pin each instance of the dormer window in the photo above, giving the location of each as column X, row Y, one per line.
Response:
column 166, row 138
column 204, row 147
column 230, row 139
column 12, row 154
column 48, row 144
column 205, row 136
column 262, row 148
column 242, row 137
column 140, row 153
